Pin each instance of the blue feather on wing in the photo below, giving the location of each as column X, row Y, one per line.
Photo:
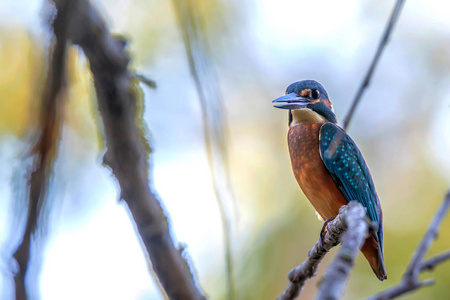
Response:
column 346, row 165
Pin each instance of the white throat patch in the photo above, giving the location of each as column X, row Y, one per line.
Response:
column 305, row 115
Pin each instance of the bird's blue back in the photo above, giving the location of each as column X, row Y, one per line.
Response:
column 346, row 165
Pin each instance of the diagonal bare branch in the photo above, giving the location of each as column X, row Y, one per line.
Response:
column 46, row 147
column 414, row 266
column 383, row 42
column 410, row 280
column 127, row 150
column 349, row 217
column 214, row 123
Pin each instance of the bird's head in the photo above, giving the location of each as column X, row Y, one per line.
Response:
column 307, row 95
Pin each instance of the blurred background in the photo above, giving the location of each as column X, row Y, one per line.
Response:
column 87, row 247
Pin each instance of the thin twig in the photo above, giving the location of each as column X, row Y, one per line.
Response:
column 410, row 280
column 383, row 42
column 431, row 263
column 414, row 267
column 127, row 150
column 145, row 80
column 335, row 229
column 214, row 125
column 45, row 150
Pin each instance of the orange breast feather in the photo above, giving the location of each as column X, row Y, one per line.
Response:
column 310, row 172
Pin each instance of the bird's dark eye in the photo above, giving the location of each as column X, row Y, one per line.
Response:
column 315, row 94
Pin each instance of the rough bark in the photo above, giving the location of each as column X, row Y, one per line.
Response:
column 127, row 150
column 348, row 214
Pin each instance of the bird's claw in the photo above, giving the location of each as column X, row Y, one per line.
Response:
column 323, row 231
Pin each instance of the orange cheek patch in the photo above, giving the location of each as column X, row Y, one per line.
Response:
column 305, row 93
column 327, row 103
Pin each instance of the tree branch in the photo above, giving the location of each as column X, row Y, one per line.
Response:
column 349, row 216
column 333, row 284
column 410, row 280
column 127, row 150
column 214, row 122
column 383, row 42
column 431, row 263
column 44, row 151
column 145, row 80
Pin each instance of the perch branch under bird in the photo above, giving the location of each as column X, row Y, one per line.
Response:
column 351, row 219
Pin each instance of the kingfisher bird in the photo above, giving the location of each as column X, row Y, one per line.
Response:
column 328, row 165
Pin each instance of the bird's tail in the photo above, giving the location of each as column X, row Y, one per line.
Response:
column 374, row 255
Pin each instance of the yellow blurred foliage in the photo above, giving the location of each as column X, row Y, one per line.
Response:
column 81, row 111
column 24, row 66
column 23, row 63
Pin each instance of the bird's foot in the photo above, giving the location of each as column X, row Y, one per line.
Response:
column 323, row 232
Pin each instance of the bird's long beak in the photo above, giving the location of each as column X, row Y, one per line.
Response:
column 292, row 101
